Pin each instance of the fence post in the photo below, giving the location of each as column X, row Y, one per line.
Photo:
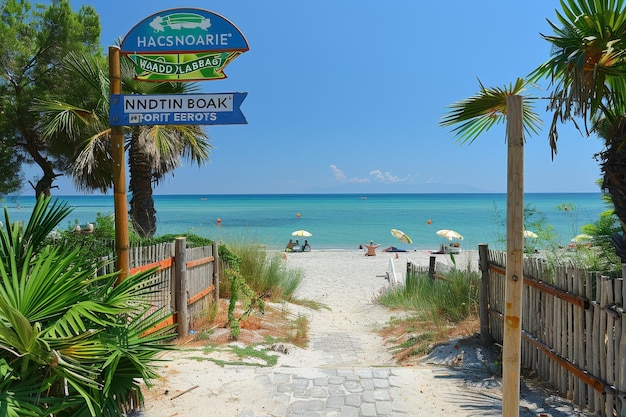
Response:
column 431, row 267
column 483, row 297
column 514, row 284
column 621, row 360
column 180, row 279
column 216, row 271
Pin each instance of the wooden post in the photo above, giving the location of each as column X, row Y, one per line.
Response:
column 119, row 174
column 483, row 265
column 621, row 359
column 514, row 282
column 431, row 267
column 180, row 279
column 216, row 271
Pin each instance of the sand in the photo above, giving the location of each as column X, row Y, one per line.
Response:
column 346, row 282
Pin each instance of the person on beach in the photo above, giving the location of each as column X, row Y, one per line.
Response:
column 371, row 249
column 306, row 247
column 290, row 246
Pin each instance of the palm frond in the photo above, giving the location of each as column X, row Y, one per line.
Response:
column 477, row 114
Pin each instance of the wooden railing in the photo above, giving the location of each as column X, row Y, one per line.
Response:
column 573, row 328
column 188, row 279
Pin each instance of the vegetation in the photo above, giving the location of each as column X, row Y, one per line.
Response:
column 265, row 272
column 10, row 178
column 437, row 304
column 153, row 151
column 34, row 41
column 254, row 275
column 587, row 78
column 447, row 299
column 71, row 342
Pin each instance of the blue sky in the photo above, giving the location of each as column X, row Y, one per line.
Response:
column 346, row 96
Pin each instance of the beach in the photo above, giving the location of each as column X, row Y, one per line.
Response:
column 346, row 369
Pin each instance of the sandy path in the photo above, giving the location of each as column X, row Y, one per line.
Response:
column 346, row 370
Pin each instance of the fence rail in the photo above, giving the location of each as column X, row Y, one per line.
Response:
column 573, row 328
column 188, row 279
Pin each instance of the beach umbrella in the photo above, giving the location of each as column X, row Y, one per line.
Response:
column 449, row 234
column 302, row 233
column 528, row 233
column 582, row 238
column 401, row 236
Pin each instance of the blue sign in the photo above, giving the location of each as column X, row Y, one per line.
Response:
column 183, row 30
column 177, row 109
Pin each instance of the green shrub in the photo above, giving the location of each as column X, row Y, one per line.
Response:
column 73, row 344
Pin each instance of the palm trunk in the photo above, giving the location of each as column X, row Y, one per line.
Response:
column 614, row 181
column 142, row 212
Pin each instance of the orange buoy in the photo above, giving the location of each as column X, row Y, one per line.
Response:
column 219, row 221
column 298, row 215
column 429, row 221
column 566, row 208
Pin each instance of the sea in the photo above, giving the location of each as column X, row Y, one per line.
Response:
column 341, row 221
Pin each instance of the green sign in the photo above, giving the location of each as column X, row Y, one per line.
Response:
column 182, row 67
column 183, row 44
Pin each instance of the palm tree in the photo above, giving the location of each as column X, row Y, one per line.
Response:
column 71, row 343
column 153, row 151
column 587, row 74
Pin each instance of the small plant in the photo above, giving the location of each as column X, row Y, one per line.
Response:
column 238, row 288
column 299, row 333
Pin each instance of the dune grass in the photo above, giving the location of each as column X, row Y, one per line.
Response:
column 451, row 298
column 439, row 305
column 265, row 273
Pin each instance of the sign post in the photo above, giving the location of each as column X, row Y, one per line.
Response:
column 119, row 174
column 175, row 45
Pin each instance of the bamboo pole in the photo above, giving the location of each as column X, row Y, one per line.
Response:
column 515, row 256
column 119, row 173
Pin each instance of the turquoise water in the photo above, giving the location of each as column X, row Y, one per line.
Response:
column 341, row 221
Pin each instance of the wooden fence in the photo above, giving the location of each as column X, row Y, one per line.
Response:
column 188, row 277
column 573, row 329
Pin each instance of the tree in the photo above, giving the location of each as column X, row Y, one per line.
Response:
column 587, row 74
column 33, row 44
column 10, row 179
column 153, row 151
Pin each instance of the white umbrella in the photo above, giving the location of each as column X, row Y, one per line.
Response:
column 528, row 233
column 302, row 233
column 449, row 234
column 401, row 236
column 582, row 238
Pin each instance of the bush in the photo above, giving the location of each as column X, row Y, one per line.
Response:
column 73, row 343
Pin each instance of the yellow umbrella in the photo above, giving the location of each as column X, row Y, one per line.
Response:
column 401, row 236
column 302, row 233
column 449, row 234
